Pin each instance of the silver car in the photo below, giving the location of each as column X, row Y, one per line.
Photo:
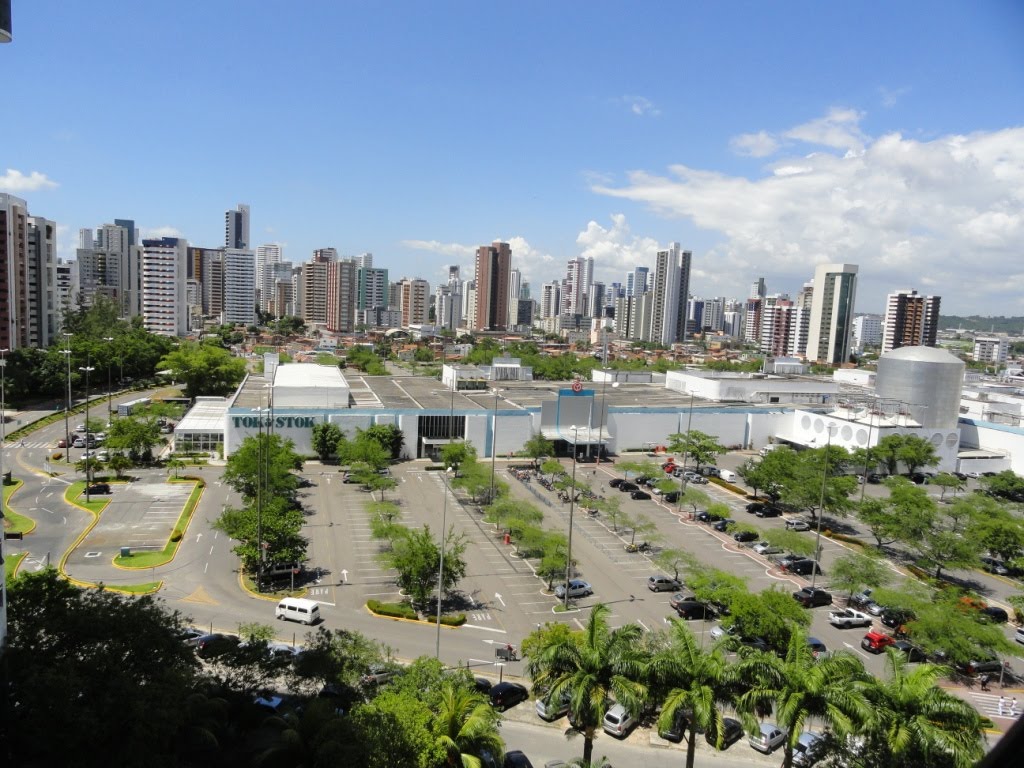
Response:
column 764, row 548
column 768, row 738
column 577, row 588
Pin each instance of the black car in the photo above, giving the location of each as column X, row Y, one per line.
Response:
column 972, row 668
column 214, row 645
column 918, row 478
column 755, row 643
column 754, row 506
column 615, row 482
column 767, row 511
column 732, row 730
column 804, row 567
column 723, row 525
column 640, row 495
column 746, row 536
column 506, row 695
column 912, row 652
column 625, row 487
column 693, row 610
column 895, row 617
column 875, row 478
column 99, row 488
column 482, row 684
column 810, row 597
column 671, row 497
column 641, row 479
column 708, row 517
column 675, row 730
column 516, row 759
column 995, row 614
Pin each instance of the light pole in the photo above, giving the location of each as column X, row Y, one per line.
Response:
column 440, row 566
column 604, row 413
column 867, row 451
column 682, row 475
column 3, row 425
column 67, row 411
column 109, row 340
column 88, row 447
column 830, row 429
column 494, row 442
column 572, row 505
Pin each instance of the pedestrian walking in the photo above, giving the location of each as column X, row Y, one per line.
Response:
column 1003, row 703
column 984, row 681
column 1013, row 707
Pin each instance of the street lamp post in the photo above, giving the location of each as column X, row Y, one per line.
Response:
column 830, row 429
column 88, row 449
column 494, row 442
column 572, row 505
column 67, row 411
column 682, row 475
column 440, row 567
column 109, row 340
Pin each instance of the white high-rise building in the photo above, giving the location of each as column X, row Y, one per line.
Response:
column 867, row 331
column 669, row 292
column 239, row 286
column 236, row 227
column 832, row 305
column 550, row 300
column 266, row 256
column 164, row 286
column 514, row 285
column 991, row 349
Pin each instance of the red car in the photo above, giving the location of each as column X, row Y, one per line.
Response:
column 876, row 642
column 62, row 443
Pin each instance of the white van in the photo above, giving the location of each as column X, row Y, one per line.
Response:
column 728, row 475
column 297, row 609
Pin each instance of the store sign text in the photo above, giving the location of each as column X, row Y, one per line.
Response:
column 280, row 422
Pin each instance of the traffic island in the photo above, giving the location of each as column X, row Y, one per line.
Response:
column 405, row 612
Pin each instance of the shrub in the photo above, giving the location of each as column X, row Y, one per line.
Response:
column 396, row 610
column 454, row 621
column 57, row 456
column 176, row 536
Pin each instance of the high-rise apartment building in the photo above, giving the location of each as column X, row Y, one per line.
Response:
column 493, row 265
column 267, row 256
column 29, row 310
column 372, row 289
column 414, row 301
column 783, row 327
column 312, row 286
column 550, row 299
column 239, row 287
column 867, row 331
column 636, row 281
column 669, row 293
column 992, row 349
column 757, row 289
column 910, row 320
column 109, row 265
column 164, row 286
column 835, row 293
column 514, row 284
column 236, row 228
column 341, row 292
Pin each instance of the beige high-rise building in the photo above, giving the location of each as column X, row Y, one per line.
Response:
column 341, row 296
column 910, row 320
column 414, row 301
column 493, row 268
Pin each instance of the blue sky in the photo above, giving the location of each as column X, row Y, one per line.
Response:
column 765, row 137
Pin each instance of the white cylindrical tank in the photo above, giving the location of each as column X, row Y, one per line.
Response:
column 927, row 379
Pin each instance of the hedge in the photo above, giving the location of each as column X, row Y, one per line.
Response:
column 397, row 610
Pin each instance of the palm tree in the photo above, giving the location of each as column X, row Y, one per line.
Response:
column 466, row 726
column 593, row 667
column 803, row 687
column 698, row 681
column 915, row 722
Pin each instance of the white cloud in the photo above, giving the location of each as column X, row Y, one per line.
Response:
column 15, row 182
column 839, row 129
column 435, row 246
column 760, row 144
column 616, row 250
column 641, row 106
column 948, row 209
column 891, row 96
column 155, row 233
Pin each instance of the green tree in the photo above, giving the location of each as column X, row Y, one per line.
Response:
column 537, row 447
column 325, row 439
column 915, row 722
column 77, row 660
column 263, row 464
column 801, row 687
column 1005, row 485
column 997, row 530
column 857, row 570
column 916, row 452
column 205, row 369
column 694, row 444
column 593, row 668
column 695, row 498
column 416, row 557
column 275, row 522
column 466, row 726
column 697, row 683
column 135, row 434
column 790, row 541
column 423, row 355
column 454, row 455
column 675, row 560
column 388, row 436
column 771, row 615
column 946, row 482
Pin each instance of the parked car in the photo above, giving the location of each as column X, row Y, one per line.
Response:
column 516, row 759
column 810, row 597
column 640, row 495
column 745, row 537
column 676, row 729
column 767, row 511
column 732, row 730
column 671, row 497
column 756, row 643
column 848, row 618
column 894, row 618
column 549, row 709
column 617, row 721
column 699, row 480
column 804, row 567
column 912, row 652
column 62, row 443
column 980, row 667
column 577, row 588
column 99, row 488
column 994, row 565
column 1019, row 635
column 717, row 632
column 691, row 609
column 817, row 646
column 506, row 695
column 215, row 644
column 860, row 599
column 660, row 583
column 764, row 548
column 723, row 525
column 797, row 524
column 615, row 482
column 754, row 506
column 680, row 597
column 626, row 487
column 708, row 517
column 875, row 478
column 768, row 738
column 876, row 642
column 808, row 750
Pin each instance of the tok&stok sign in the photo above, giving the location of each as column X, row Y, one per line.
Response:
column 279, row 422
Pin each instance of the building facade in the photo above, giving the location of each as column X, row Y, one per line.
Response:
column 832, row 305
column 910, row 320
column 493, row 268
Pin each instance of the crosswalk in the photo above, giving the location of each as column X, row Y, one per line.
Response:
column 988, row 705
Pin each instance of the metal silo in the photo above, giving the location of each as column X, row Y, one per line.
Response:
column 929, row 380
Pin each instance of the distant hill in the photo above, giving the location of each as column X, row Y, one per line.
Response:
column 1000, row 324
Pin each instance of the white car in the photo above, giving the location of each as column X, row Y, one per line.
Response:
column 764, row 548
column 577, row 588
column 797, row 524
column 848, row 618
column 717, row 632
column 767, row 738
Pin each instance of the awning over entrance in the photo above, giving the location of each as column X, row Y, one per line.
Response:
column 578, row 436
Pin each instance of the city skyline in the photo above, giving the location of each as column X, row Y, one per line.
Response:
column 784, row 138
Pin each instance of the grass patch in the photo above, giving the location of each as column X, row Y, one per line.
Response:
column 153, row 558
column 15, row 522
column 136, row 589
column 11, row 563
column 75, row 494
